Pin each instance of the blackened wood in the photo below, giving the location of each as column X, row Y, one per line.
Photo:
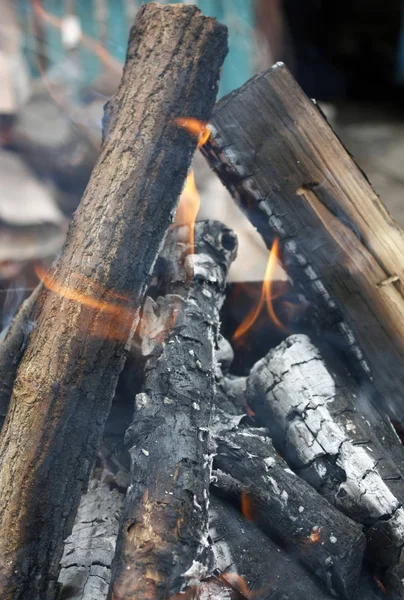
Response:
column 316, row 425
column 279, row 158
column 252, row 564
column 284, row 506
column 162, row 547
column 68, row 374
column 12, row 348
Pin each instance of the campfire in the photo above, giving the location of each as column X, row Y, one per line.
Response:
column 163, row 439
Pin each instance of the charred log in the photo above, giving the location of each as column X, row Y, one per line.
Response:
column 162, row 547
column 283, row 164
column 68, row 374
column 315, row 425
column 251, row 564
column 285, row 507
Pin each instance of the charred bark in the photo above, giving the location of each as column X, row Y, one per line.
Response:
column 285, row 507
column 315, row 424
column 251, row 564
column 162, row 547
column 68, row 374
column 283, row 164
column 12, row 348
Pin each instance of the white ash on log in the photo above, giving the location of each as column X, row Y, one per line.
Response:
column 277, row 155
column 68, row 374
column 12, row 347
column 162, row 547
column 254, row 566
column 86, row 563
column 288, row 509
column 312, row 417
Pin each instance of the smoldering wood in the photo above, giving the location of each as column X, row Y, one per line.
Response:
column 250, row 472
column 277, row 155
column 68, row 374
column 12, row 348
column 314, row 420
column 162, row 546
column 251, row 564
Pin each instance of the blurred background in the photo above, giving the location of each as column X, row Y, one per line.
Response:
column 60, row 61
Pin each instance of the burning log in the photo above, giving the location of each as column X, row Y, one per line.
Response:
column 12, row 348
column 251, row 564
column 68, row 374
column 275, row 152
column 162, row 546
column 249, row 470
column 313, row 420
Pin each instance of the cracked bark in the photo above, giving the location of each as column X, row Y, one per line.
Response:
column 274, row 150
column 314, row 419
column 162, row 547
column 68, row 374
column 249, row 470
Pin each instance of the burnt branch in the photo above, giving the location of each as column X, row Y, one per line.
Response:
column 314, row 420
column 162, row 547
column 67, row 377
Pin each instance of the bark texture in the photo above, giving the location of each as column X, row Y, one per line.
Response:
column 283, row 164
column 249, row 470
column 162, row 547
column 68, row 374
column 315, row 425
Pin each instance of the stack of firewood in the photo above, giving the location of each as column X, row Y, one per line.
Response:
column 122, row 414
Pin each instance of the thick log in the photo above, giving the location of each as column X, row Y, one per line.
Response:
column 289, row 510
column 162, row 546
column 316, row 425
column 12, row 348
column 283, row 164
column 254, row 566
column 68, row 374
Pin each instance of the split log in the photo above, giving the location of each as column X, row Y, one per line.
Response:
column 277, row 155
column 251, row 564
column 162, row 546
column 314, row 423
column 68, row 374
column 12, row 348
column 286, row 508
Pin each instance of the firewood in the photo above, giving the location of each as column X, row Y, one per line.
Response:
column 68, row 374
column 12, row 348
column 251, row 564
column 315, row 424
column 277, row 155
column 162, row 546
column 249, row 470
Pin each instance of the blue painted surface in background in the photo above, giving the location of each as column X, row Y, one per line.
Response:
column 238, row 15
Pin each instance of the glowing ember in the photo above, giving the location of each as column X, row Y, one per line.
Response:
column 266, row 297
column 314, row 538
column 188, row 207
column 196, row 128
column 247, row 508
column 236, row 582
column 380, row 585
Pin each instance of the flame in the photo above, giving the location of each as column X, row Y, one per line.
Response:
column 196, row 128
column 266, row 297
column 236, row 582
column 188, row 207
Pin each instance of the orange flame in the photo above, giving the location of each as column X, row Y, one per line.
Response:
column 266, row 297
column 188, row 207
column 247, row 508
column 196, row 128
column 236, row 582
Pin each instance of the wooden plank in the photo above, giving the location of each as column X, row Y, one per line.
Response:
column 287, row 169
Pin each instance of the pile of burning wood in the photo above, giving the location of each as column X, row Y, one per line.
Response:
column 286, row 482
